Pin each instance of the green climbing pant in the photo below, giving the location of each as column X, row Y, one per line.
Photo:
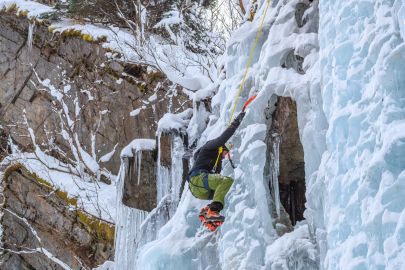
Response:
column 218, row 184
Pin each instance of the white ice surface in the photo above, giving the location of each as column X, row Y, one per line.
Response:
column 247, row 233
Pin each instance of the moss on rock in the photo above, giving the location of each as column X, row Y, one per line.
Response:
column 99, row 229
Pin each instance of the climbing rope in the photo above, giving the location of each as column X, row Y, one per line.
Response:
column 252, row 51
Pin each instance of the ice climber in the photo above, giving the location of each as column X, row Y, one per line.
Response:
column 205, row 180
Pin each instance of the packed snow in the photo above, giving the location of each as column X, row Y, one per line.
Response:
column 138, row 145
column 174, row 122
column 97, row 199
column 33, row 9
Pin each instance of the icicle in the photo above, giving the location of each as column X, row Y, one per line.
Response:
column 128, row 224
column 139, row 164
column 158, row 173
column 176, row 174
column 163, row 175
column 275, row 171
column 30, row 37
column 135, row 228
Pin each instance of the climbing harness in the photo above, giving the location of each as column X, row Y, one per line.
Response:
column 252, row 51
column 205, row 182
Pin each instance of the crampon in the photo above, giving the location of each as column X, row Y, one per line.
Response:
column 210, row 219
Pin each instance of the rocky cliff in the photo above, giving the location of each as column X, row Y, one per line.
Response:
column 109, row 101
column 44, row 229
column 106, row 89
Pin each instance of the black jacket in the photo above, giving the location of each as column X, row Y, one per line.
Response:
column 206, row 156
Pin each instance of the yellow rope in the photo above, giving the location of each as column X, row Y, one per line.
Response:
column 249, row 62
column 219, row 155
column 252, row 51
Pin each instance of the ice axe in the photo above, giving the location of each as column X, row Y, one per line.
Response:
column 230, row 146
column 248, row 102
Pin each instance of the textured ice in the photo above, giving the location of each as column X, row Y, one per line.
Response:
column 242, row 241
column 134, row 227
column 350, row 103
column 294, row 250
column 363, row 74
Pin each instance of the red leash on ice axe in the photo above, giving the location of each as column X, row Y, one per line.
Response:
column 248, row 102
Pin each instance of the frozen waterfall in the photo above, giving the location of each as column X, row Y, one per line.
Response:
column 348, row 83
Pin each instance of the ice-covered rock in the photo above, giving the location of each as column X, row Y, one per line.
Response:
column 242, row 241
column 174, row 122
column 348, row 85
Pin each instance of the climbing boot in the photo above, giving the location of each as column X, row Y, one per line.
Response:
column 210, row 226
column 203, row 214
column 212, row 216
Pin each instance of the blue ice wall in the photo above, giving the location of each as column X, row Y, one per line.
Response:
column 362, row 62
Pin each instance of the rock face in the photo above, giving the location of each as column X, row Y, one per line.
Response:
column 140, row 184
column 292, row 166
column 283, row 142
column 107, row 90
column 37, row 217
column 291, row 162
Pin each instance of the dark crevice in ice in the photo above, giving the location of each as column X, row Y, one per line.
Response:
column 300, row 9
column 285, row 164
column 292, row 60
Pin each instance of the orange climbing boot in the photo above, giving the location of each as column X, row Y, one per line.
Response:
column 211, row 226
column 213, row 216
column 203, row 214
column 210, row 216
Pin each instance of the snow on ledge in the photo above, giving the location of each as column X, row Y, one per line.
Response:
column 174, row 122
column 138, row 145
column 114, row 38
column 97, row 199
column 30, row 8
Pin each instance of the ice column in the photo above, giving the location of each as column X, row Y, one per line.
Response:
column 275, row 171
column 176, row 174
column 168, row 183
column 163, row 174
column 138, row 160
column 128, row 223
column 169, row 180
column 30, row 35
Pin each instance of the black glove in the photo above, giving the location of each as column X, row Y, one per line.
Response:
column 239, row 119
